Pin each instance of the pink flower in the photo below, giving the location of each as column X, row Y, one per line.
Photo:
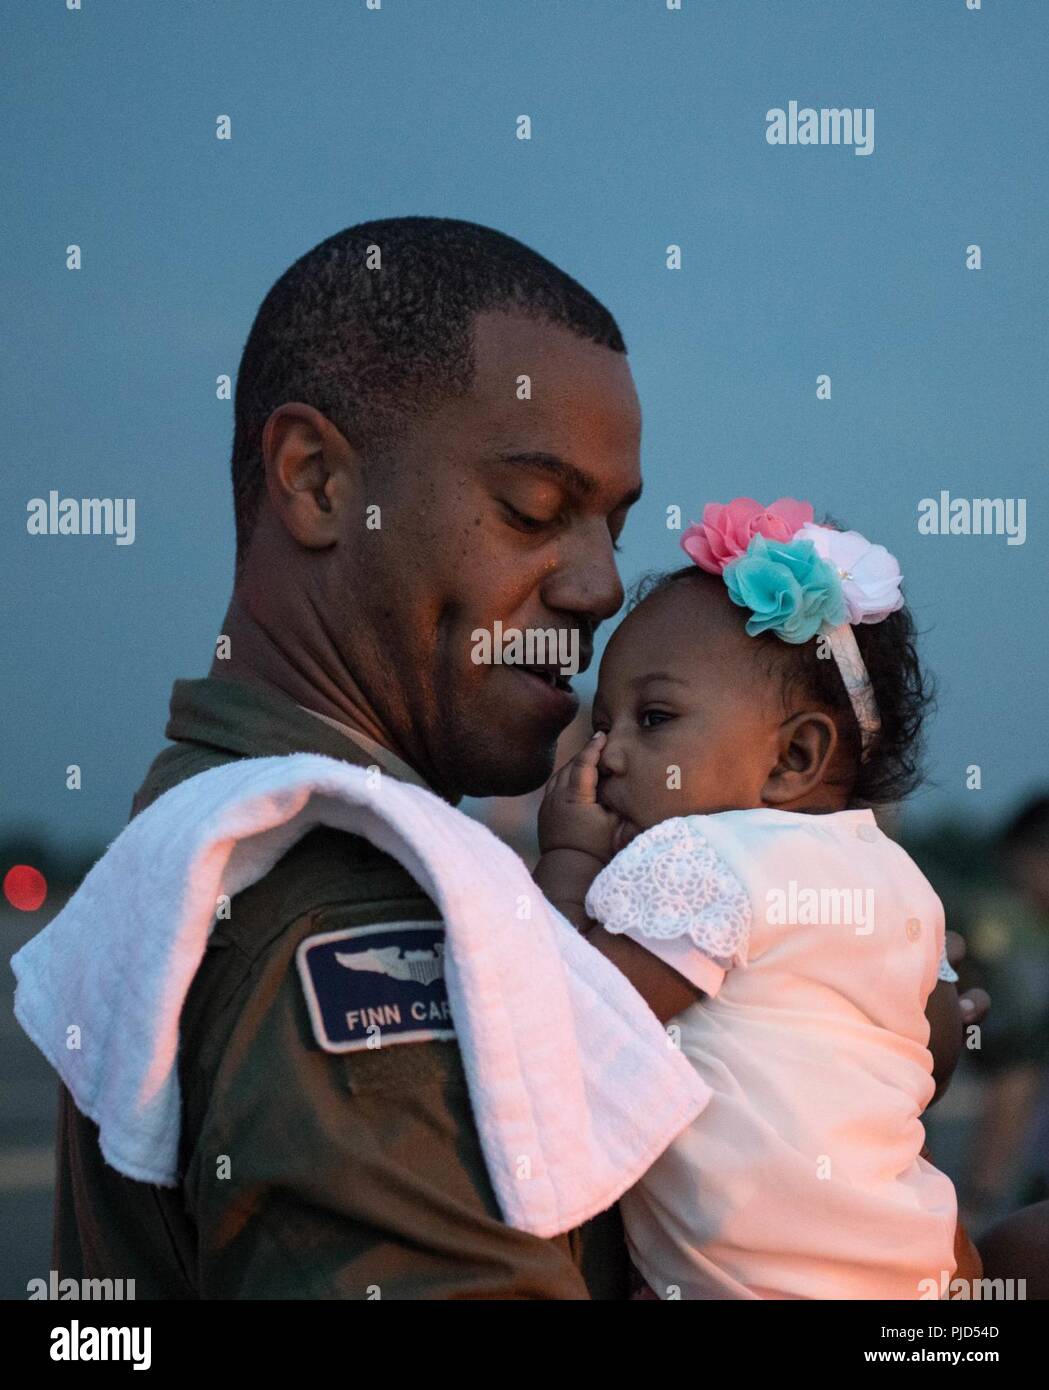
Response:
column 870, row 576
column 726, row 529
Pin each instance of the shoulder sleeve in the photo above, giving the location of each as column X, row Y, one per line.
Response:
column 674, row 894
column 316, row 1170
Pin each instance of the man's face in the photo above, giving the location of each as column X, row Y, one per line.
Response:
column 496, row 509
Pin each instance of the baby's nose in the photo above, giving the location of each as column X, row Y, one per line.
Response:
column 613, row 759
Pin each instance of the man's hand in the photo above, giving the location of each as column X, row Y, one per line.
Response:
column 570, row 816
column 974, row 1003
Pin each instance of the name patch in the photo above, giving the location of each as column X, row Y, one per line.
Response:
column 369, row 986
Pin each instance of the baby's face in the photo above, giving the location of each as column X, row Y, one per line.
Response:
column 691, row 713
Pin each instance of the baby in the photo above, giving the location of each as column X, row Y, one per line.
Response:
column 714, row 840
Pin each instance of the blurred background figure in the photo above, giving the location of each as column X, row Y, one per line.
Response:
column 991, row 1130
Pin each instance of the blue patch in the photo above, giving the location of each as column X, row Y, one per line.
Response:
column 369, row 986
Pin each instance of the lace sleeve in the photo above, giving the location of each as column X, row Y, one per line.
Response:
column 669, row 883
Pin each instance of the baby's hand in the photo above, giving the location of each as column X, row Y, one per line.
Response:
column 570, row 816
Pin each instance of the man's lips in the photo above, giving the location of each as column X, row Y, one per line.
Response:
column 549, row 682
column 551, row 691
column 552, row 674
column 585, row 655
column 549, row 675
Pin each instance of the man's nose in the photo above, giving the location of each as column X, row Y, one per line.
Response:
column 586, row 582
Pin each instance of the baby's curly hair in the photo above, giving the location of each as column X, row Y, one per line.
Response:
column 905, row 694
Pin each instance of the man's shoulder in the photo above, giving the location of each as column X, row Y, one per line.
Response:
column 327, row 868
column 329, row 882
column 174, row 764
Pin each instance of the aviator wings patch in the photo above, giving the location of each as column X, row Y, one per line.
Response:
column 422, row 966
column 370, row 986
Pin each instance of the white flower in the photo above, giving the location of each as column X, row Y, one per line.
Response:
column 870, row 576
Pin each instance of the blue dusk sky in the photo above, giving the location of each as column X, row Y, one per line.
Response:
column 648, row 129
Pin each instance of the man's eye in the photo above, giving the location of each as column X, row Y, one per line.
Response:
column 523, row 522
column 651, row 718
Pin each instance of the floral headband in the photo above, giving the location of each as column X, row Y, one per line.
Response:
column 799, row 580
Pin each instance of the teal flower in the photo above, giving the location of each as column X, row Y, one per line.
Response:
column 788, row 588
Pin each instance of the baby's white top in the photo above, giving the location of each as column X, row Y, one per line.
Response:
column 818, row 941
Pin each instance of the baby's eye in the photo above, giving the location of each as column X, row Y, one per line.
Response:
column 651, row 718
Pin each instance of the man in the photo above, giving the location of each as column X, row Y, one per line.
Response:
column 436, row 429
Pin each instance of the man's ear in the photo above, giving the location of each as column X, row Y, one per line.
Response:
column 807, row 745
column 310, row 471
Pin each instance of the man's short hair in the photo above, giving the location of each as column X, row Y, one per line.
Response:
column 374, row 348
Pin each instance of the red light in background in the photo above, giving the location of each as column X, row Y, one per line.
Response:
column 25, row 888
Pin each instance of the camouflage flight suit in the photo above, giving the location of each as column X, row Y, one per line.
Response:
column 306, row 1173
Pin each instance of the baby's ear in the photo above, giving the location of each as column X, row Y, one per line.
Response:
column 807, row 745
